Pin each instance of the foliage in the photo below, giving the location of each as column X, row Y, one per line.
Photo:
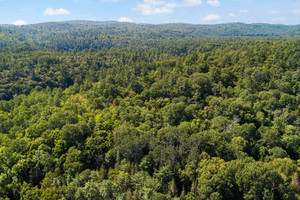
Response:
column 192, row 119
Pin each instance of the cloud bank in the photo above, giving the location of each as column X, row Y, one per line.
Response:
column 274, row 12
column 211, row 17
column 125, row 19
column 109, row 0
column 59, row 11
column 214, row 2
column 152, row 7
column 19, row 23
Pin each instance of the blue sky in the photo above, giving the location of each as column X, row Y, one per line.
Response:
column 151, row 11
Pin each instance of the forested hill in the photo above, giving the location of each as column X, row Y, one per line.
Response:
column 99, row 35
column 107, row 110
column 11, row 37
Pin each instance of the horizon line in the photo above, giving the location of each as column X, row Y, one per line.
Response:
column 117, row 22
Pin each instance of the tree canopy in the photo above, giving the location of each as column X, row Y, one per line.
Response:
column 185, row 118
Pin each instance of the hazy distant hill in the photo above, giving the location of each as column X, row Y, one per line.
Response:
column 11, row 37
column 86, row 34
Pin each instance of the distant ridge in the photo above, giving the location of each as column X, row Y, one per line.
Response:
column 81, row 34
column 91, row 22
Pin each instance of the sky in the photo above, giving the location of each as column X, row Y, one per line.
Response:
column 21, row 12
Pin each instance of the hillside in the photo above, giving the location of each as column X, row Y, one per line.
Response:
column 107, row 110
column 88, row 34
column 10, row 37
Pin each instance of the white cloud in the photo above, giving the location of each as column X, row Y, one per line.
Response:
column 238, row 15
column 192, row 3
column 243, row 11
column 274, row 12
column 125, row 19
column 211, row 17
column 154, row 2
column 296, row 12
column 19, row 22
column 213, row 2
column 59, row 11
column 233, row 15
column 278, row 20
column 151, row 7
column 108, row 0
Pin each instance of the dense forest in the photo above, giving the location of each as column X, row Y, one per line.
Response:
column 79, row 35
column 106, row 110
